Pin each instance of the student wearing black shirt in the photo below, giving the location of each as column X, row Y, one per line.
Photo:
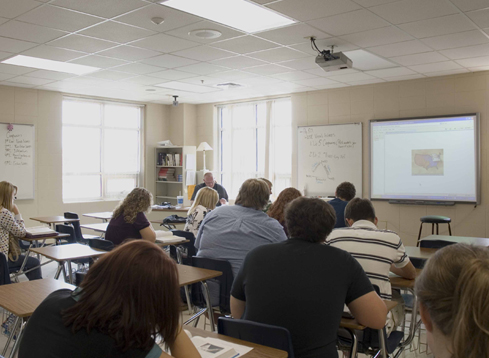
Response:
column 302, row 285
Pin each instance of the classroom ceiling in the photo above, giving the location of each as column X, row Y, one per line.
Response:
column 388, row 40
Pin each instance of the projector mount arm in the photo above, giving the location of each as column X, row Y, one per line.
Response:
column 326, row 54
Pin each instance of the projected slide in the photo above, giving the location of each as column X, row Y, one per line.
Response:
column 432, row 159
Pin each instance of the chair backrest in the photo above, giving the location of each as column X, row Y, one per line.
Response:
column 101, row 244
column 76, row 225
column 67, row 229
column 191, row 251
column 435, row 244
column 4, row 270
column 259, row 333
column 225, row 281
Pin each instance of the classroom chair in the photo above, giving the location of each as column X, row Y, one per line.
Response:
column 434, row 220
column 79, row 237
column 259, row 333
column 187, row 250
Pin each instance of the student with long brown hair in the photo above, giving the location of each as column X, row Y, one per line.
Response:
column 128, row 297
column 453, row 291
column 276, row 211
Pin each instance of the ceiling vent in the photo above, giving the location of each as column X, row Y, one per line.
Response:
column 228, row 85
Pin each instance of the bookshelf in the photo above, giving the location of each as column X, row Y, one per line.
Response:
column 171, row 163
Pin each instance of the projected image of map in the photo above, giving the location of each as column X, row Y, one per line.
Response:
column 427, row 162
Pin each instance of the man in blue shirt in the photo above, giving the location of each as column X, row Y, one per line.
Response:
column 344, row 193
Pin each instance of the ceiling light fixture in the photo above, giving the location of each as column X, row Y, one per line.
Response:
column 157, row 20
column 43, row 64
column 175, row 101
column 205, row 34
column 240, row 14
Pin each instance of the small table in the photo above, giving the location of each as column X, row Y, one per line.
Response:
column 99, row 227
column 23, row 298
column 67, row 253
column 53, row 220
column 188, row 275
column 419, row 252
column 479, row 241
column 258, row 351
column 105, row 216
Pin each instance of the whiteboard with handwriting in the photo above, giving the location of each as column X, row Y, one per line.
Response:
column 17, row 157
column 327, row 156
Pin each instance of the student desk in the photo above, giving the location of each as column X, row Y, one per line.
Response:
column 105, row 216
column 22, row 299
column 53, row 220
column 419, row 252
column 258, row 351
column 479, row 241
column 99, row 227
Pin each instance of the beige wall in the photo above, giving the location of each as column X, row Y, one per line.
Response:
column 429, row 96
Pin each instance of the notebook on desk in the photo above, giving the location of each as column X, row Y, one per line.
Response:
column 40, row 231
column 167, row 237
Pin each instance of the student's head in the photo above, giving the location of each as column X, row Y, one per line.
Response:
column 360, row 209
column 8, row 192
column 131, row 294
column 254, row 193
column 207, row 197
column 453, row 291
column 269, row 183
column 309, row 219
column 139, row 200
column 276, row 211
column 209, row 179
column 346, row 191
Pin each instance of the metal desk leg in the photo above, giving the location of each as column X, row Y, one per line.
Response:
column 58, row 271
column 70, row 272
column 414, row 323
column 383, row 347
column 354, row 343
column 187, row 295
column 17, row 341
column 12, row 332
column 210, row 312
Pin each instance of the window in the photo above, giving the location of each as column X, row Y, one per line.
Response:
column 255, row 141
column 101, row 149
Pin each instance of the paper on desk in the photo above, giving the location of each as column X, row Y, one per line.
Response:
column 190, row 162
column 190, row 177
column 240, row 349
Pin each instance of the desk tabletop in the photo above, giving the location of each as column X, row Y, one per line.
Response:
column 23, row 298
column 419, row 252
column 400, row 282
column 258, row 351
column 352, row 323
column 53, row 219
column 68, row 252
column 100, row 227
column 59, row 236
column 189, row 274
column 180, row 210
column 480, row 241
column 104, row 215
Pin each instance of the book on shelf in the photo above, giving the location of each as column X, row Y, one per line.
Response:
column 166, row 174
column 40, row 231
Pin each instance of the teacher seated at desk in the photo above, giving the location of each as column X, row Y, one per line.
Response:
column 129, row 220
column 211, row 183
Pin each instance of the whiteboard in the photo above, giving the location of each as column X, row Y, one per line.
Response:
column 17, row 157
column 327, row 156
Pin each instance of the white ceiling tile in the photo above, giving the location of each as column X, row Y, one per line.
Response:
column 293, row 34
column 300, row 64
column 169, row 61
column 438, row 26
column 350, row 22
column 59, row 18
column 258, row 81
column 468, row 5
column 413, row 10
column 466, row 52
column 316, row 82
column 480, row 17
column 203, row 81
column 474, row 62
column 382, row 36
column 456, row 40
column 28, row 32
column 138, row 68
column 3, row 20
column 305, row 10
column 30, row 80
column 15, row 70
column 318, row 71
column 164, row 43
column 446, row 73
column 245, row 44
column 129, row 53
column 359, row 76
column 438, row 66
column 405, row 78
column 82, row 43
column 5, row 55
column 363, row 60
column 15, row 46
column 202, row 68
column 188, row 87
column 368, row 3
column 325, row 44
column 336, row 85
column 392, row 72
column 204, row 53
column 366, row 82
column 183, row 32
column 294, row 76
column 266, row 70
column 173, row 18
column 105, row 8
column 172, row 75
column 53, row 53
column 476, row 69
column 278, row 54
column 233, row 75
column 111, row 75
column 5, row 76
column 239, row 62
column 13, row 8
column 419, row 59
column 16, row 84
column 114, row 31
column 99, row 61
column 51, row 75
column 400, row 48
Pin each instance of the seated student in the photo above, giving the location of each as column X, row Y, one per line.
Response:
column 230, row 232
column 302, row 285
column 210, row 182
column 128, row 219
column 269, row 183
column 205, row 201
column 452, row 290
column 128, row 296
column 276, row 211
column 344, row 193
column 11, row 229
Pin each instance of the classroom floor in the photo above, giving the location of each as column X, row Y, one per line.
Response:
column 419, row 343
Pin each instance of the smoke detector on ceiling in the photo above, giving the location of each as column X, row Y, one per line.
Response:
column 205, row 34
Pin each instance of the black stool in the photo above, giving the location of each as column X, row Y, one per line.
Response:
column 434, row 220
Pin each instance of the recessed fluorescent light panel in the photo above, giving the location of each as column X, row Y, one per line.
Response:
column 240, row 14
column 43, row 64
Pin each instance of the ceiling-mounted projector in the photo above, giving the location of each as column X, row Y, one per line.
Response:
column 330, row 61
